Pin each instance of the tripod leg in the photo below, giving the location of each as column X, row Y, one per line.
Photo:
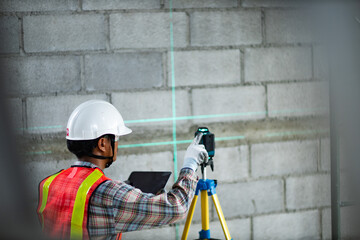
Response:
column 189, row 218
column 205, row 231
column 221, row 217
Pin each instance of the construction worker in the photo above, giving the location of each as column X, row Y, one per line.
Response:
column 81, row 202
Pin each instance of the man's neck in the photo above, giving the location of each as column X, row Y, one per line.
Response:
column 98, row 162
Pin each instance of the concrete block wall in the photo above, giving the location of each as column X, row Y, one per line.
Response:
column 249, row 70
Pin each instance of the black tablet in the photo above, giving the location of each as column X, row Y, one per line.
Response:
column 149, row 182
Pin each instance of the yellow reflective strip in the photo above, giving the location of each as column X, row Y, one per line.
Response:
column 45, row 193
column 77, row 217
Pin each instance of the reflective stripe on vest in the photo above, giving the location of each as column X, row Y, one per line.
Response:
column 44, row 196
column 77, row 217
column 64, row 201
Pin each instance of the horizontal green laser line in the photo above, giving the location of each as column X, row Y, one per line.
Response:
column 189, row 141
column 275, row 134
column 221, row 115
column 39, row 153
column 191, row 117
column 154, row 144
column 177, row 142
column 229, row 138
column 43, row 127
column 222, row 138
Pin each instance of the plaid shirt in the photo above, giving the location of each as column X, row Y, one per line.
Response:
column 118, row 207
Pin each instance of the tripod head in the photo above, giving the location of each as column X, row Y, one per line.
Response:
column 208, row 140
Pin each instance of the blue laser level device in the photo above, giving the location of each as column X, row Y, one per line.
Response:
column 208, row 140
column 206, row 188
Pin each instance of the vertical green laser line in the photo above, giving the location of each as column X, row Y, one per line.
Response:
column 173, row 88
column 173, row 101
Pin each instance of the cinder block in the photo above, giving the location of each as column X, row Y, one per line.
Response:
column 34, row 75
column 308, row 191
column 202, row 4
column 271, row 3
column 9, row 32
column 120, row 4
column 277, row 64
column 50, row 114
column 281, row 158
column 125, row 164
column 37, row 5
column 229, row 103
column 230, row 164
column 152, row 30
column 287, row 26
column 251, row 197
column 299, row 225
column 123, row 71
column 238, row 228
column 64, row 33
column 154, row 233
column 298, row 99
column 325, row 154
column 205, row 67
column 14, row 106
column 225, row 28
column 151, row 105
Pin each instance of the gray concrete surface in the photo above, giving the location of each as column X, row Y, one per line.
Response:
column 253, row 58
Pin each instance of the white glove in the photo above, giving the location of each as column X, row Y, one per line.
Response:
column 195, row 154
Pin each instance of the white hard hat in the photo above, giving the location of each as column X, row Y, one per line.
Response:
column 93, row 119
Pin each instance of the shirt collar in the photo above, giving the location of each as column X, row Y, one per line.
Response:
column 84, row 164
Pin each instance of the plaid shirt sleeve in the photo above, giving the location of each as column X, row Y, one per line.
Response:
column 135, row 210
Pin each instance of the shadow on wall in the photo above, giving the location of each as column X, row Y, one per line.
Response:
column 17, row 216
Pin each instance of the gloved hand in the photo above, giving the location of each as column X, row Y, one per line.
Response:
column 195, row 154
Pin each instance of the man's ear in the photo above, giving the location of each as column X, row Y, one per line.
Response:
column 101, row 144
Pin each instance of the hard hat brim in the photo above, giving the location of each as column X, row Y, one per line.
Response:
column 125, row 131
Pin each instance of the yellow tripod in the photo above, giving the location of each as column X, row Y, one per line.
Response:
column 207, row 188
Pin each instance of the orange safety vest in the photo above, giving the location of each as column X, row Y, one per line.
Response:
column 64, row 200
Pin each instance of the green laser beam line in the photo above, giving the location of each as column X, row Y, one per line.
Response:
column 173, row 96
column 190, row 140
column 229, row 138
column 146, row 120
column 194, row 117
column 41, row 127
column 222, row 115
column 39, row 153
column 275, row 134
column 154, row 144
column 177, row 142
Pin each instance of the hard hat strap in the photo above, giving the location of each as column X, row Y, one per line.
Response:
column 112, row 140
column 98, row 156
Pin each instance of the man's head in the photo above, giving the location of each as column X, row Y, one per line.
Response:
column 93, row 130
